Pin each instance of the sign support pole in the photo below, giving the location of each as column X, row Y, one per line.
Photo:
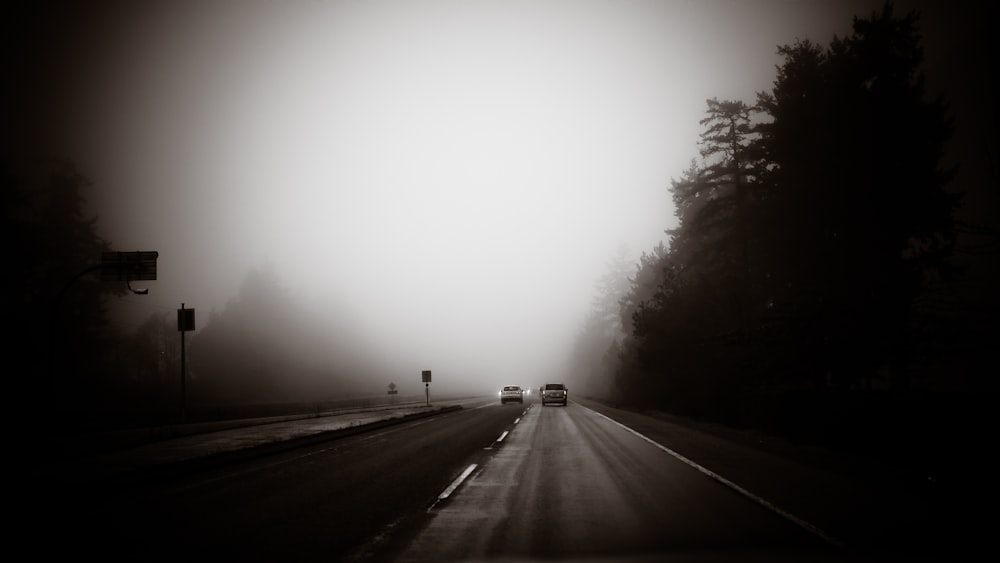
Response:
column 426, row 377
column 185, row 322
column 183, row 375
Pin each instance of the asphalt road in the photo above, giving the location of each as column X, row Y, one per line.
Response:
column 319, row 502
column 568, row 484
column 517, row 482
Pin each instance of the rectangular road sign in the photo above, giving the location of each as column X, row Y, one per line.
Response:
column 128, row 266
column 426, row 376
column 185, row 320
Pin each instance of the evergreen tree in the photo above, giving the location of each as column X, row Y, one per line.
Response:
column 805, row 234
column 859, row 210
column 63, row 339
column 714, row 207
column 596, row 348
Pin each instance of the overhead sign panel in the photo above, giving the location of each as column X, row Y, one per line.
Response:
column 128, row 266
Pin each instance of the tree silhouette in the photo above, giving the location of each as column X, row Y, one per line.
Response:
column 713, row 204
column 858, row 192
column 598, row 341
column 150, row 366
column 63, row 338
column 265, row 347
column 806, row 234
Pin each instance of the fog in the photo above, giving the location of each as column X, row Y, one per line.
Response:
column 445, row 181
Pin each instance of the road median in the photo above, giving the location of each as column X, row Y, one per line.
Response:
column 236, row 441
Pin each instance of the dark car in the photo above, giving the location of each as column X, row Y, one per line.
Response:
column 554, row 393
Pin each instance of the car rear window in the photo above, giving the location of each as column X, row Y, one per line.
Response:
column 554, row 386
column 511, row 388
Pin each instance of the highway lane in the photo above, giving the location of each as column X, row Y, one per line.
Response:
column 344, row 499
column 539, row 482
column 569, row 484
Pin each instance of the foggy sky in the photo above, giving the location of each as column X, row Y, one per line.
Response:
column 453, row 176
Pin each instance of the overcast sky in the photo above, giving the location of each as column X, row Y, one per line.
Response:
column 457, row 173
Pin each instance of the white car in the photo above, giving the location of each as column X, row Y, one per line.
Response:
column 511, row 394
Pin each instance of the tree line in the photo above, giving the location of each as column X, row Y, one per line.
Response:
column 810, row 287
column 71, row 367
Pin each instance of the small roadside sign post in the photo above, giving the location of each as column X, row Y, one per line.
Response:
column 185, row 322
column 393, row 390
column 426, row 375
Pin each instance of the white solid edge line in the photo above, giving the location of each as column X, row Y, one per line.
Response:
column 730, row 484
column 458, row 481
